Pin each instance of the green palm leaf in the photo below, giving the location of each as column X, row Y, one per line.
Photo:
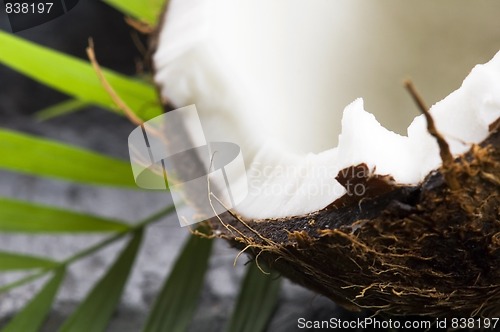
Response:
column 42, row 157
column 12, row 261
column 176, row 303
column 256, row 302
column 94, row 312
column 62, row 108
column 76, row 77
column 18, row 216
column 145, row 10
column 34, row 313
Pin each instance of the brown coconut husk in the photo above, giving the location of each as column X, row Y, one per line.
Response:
column 403, row 250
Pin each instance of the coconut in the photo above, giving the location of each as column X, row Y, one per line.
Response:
column 404, row 224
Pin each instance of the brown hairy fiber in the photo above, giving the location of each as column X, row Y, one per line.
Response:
column 421, row 250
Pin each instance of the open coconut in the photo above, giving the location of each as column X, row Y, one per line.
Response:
column 404, row 224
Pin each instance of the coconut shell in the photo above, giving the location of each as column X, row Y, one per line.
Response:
column 402, row 250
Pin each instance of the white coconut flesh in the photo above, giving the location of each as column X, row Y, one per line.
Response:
column 274, row 76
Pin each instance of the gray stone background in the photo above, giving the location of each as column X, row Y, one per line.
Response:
column 102, row 131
